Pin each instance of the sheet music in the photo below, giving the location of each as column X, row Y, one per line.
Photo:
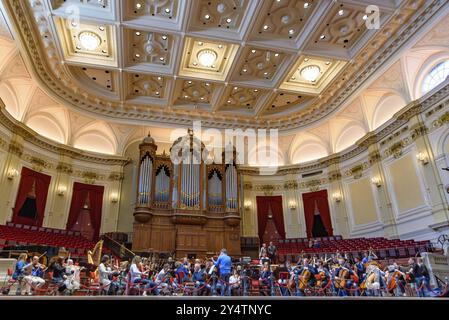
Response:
column 211, row 270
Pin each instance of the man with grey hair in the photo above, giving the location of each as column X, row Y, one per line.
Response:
column 224, row 264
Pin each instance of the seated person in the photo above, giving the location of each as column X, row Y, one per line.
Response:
column 59, row 274
column 73, row 275
column 234, row 282
column 34, row 273
column 199, row 278
column 265, row 278
column 136, row 277
column 181, row 272
column 316, row 244
column 264, row 259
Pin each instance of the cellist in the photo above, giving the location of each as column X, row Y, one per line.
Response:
column 304, row 276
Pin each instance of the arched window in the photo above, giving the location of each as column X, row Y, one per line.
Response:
column 437, row 75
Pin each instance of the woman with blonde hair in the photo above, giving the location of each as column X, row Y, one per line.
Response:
column 19, row 271
column 136, row 276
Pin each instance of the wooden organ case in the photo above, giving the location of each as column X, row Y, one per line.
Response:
column 186, row 206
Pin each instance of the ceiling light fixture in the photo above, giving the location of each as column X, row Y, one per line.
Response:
column 322, row 37
column 101, row 28
column 207, row 57
column 89, row 40
column 207, row 17
column 365, row 17
column 306, row 5
column 167, row 10
column 161, row 58
column 159, row 78
column 341, row 12
column 138, row 33
column 164, row 37
column 291, row 31
column 138, row 5
column 253, row 51
column 228, row 20
column 265, row 27
column 311, row 73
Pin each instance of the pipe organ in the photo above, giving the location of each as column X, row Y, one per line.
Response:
column 185, row 205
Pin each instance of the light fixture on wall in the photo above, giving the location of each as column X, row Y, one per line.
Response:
column 114, row 197
column 292, row 204
column 12, row 173
column 423, row 157
column 337, row 197
column 62, row 190
column 247, row 205
column 376, row 181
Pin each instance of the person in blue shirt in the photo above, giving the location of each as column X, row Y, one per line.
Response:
column 34, row 273
column 224, row 264
column 19, row 271
column 199, row 278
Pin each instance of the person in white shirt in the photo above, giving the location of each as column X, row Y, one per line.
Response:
column 73, row 275
column 105, row 271
column 234, row 281
column 136, row 277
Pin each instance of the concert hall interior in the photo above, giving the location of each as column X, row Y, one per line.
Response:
column 224, row 147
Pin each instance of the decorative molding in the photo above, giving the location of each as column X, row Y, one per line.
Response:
column 46, row 144
column 64, row 168
column 28, row 19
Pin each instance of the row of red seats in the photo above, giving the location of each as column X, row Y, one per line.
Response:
column 19, row 236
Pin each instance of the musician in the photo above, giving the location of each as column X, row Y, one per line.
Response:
column 136, row 276
column 182, row 272
column 34, row 273
column 59, row 274
column 303, row 275
column 265, row 278
column 73, row 276
column 272, row 252
column 224, row 264
column 163, row 277
column 395, row 281
column 18, row 271
column 212, row 276
column 359, row 267
column 105, row 272
column 199, row 277
column 235, row 281
column 263, row 250
column 422, row 278
column 322, row 275
column 368, row 256
column 342, row 275
column 264, row 259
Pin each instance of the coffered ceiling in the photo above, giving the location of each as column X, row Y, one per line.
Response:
column 278, row 63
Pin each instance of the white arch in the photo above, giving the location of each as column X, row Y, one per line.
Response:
column 9, row 98
column 388, row 105
column 309, row 151
column 47, row 126
column 348, row 137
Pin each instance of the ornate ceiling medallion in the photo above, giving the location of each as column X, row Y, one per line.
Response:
column 207, row 59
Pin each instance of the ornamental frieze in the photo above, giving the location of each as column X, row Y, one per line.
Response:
column 64, row 168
